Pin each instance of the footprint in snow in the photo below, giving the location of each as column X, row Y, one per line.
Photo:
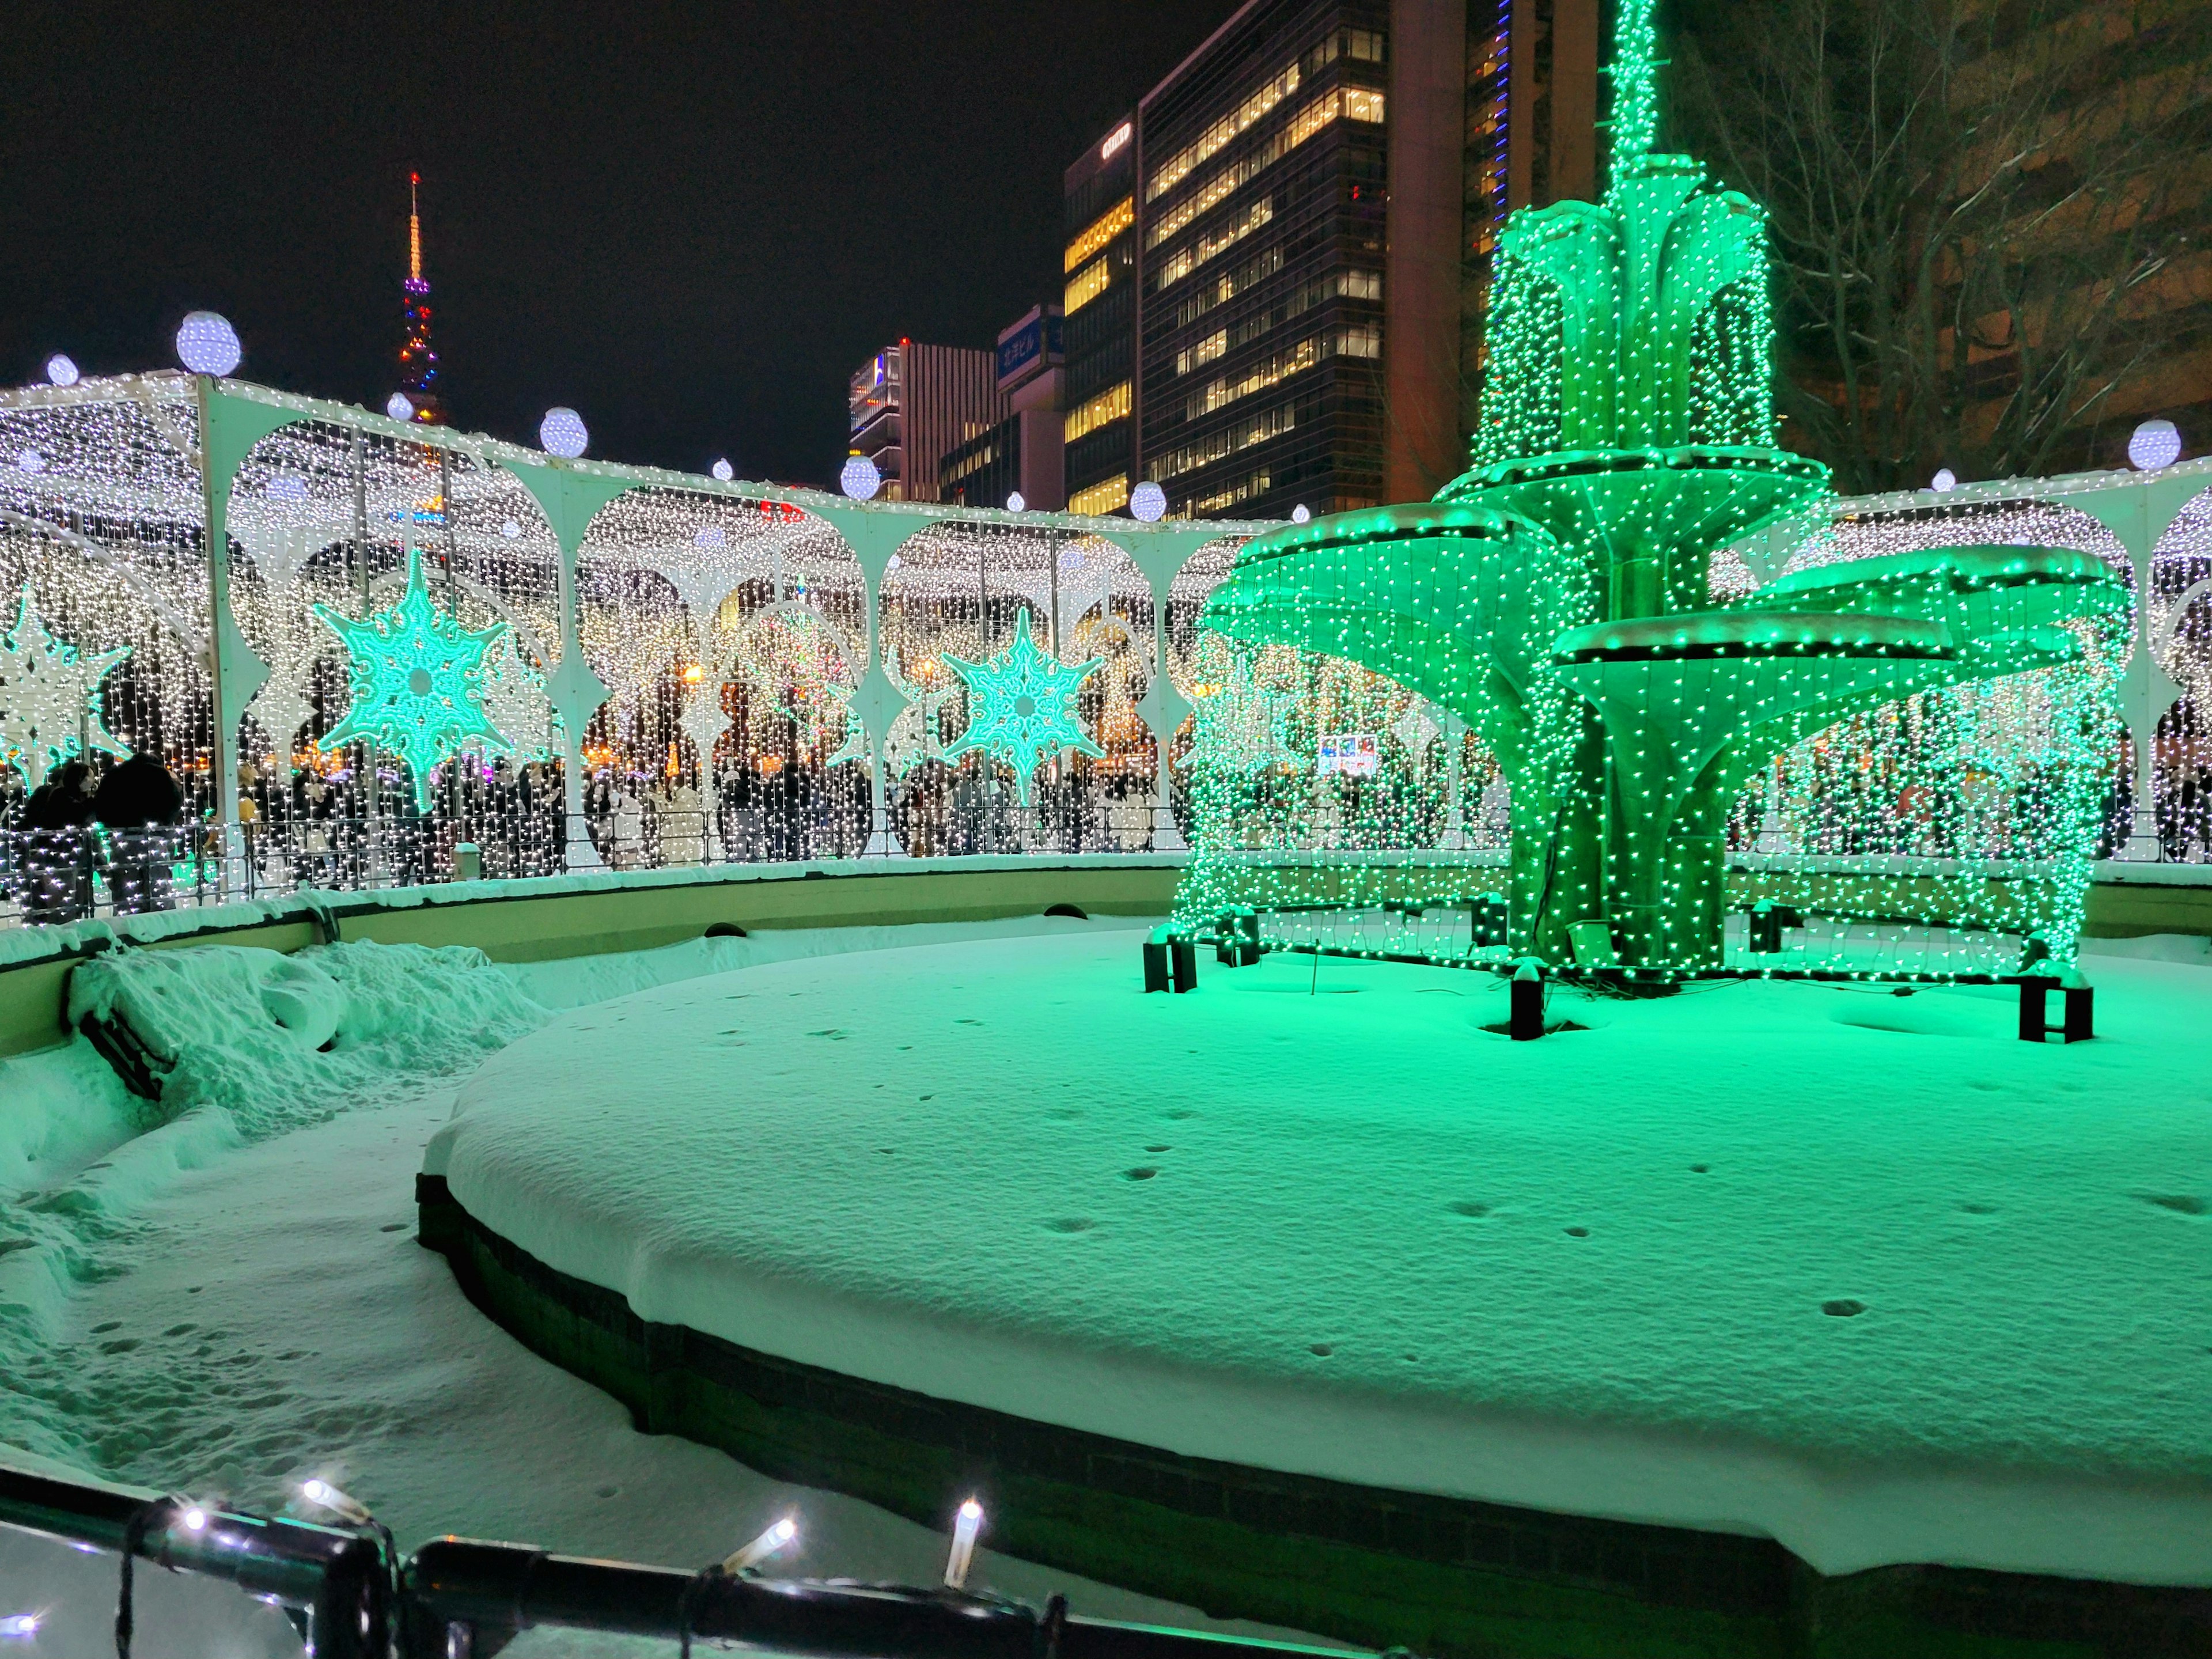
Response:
column 2180, row 1203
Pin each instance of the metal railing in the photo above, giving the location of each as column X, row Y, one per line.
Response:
column 50, row 878
column 351, row 1596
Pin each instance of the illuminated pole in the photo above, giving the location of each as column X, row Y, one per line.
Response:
column 368, row 744
column 223, row 759
column 453, row 608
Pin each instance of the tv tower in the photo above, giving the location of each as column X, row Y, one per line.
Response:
column 422, row 383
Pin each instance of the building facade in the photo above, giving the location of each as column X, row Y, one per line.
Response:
column 1022, row 455
column 1276, row 266
column 910, row 406
column 1099, row 264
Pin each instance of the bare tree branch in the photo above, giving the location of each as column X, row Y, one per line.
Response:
column 1980, row 209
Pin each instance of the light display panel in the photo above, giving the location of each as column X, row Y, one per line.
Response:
column 744, row 688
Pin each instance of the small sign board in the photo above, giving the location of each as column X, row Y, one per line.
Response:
column 1355, row 754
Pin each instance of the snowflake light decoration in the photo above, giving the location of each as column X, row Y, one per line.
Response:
column 416, row 677
column 516, row 706
column 1023, row 705
column 49, row 696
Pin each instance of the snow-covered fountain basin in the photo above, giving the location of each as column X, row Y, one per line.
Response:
column 1307, row 1297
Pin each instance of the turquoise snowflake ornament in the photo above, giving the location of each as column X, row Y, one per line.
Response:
column 49, row 696
column 417, row 680
column 1022, row 706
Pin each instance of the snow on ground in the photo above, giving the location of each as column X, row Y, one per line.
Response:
column 209, row 1309
column 1854, row 1268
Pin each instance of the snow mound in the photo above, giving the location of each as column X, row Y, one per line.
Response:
column 274, row 1040
column 1858, row 1271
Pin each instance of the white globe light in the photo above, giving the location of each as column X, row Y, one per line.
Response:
column 860, row 478
column 60, row 370
column 1148, row 502
column 1943, row 481
column 398, row 408
column 2154, row 444
column 1016, row 502
column 207, row 343
column 562, row 433
column 724, row 471
column 510, row 529
column 712, row 536
column 30, row 460
column 1301, row 513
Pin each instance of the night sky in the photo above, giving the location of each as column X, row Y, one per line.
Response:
column 691, row 222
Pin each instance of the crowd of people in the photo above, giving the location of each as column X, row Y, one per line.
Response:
column 132, row 826
column 69, row 833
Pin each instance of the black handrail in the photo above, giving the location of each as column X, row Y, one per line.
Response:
column 336, row 1580
column 463, row 1598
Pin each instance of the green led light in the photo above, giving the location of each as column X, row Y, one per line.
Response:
column 1022, row 706
column 416, row 677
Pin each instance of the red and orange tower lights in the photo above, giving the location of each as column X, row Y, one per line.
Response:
column 422, row 383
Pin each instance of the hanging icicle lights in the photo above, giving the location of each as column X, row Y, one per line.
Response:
column 743, row 667
column 733, row 634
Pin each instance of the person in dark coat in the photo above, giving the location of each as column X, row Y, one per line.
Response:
column 57, row 863
column 139, row 804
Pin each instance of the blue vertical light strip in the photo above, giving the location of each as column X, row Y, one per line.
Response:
column 1502, row 113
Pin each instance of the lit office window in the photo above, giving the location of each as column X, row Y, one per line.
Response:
column 1307, row 122
column 1362, row 106
column 1229, row 285
column 1103, row 230
column 1360, row 341
column 1178, row 167
column 1269, row 371
column 1184, row 260
column 1191, row 457
column 1086, row 285
column 1103, row 497
column 1243, row 489
column 1204, row 352
column 1111, row 405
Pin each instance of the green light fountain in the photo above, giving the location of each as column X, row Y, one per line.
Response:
column 1557, row 597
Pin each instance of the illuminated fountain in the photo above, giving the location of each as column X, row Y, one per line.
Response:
column 1557, row 597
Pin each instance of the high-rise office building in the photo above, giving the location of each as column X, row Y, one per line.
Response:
column 1099, row 305
column 1022, row 455
column 910, row 404
column 1276, row 266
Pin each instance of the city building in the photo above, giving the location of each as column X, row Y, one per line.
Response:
column 1022, row 454
column 421, row 382
column 912, row 404
column 1276, row 266
column 1100, row 307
